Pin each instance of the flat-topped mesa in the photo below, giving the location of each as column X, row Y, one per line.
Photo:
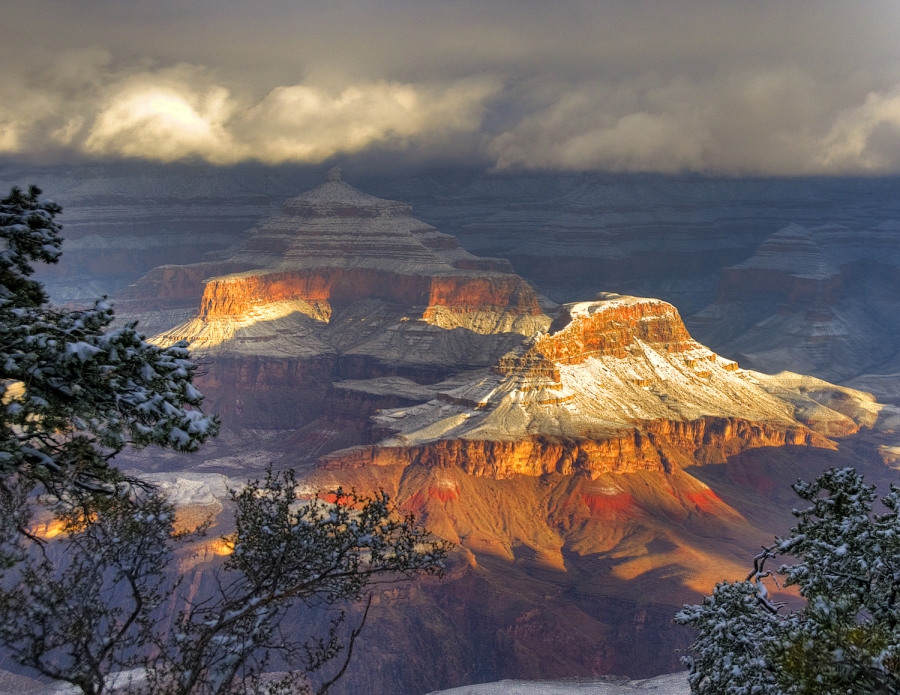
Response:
column 337, row 244
column 610, row 326
column 791, row 263
column 619, row 386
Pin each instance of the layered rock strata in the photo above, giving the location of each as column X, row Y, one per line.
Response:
column 343, row 276
column 816, row 300
column 617, row 386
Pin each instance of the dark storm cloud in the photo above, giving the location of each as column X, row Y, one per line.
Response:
column 740, row 86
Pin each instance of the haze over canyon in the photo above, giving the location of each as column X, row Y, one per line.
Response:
column 598, row 388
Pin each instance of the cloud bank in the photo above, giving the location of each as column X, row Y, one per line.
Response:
column 183, row 112
column 762, row 88
column 779, row 122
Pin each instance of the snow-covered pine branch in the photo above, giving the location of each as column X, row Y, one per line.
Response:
column 289, row 554
column 846, row 639
column 73, row 392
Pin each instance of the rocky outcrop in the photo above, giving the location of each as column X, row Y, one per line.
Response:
column 654, row 446
column 617, row 386
column 610, row 327
column 501, row 460
column 341, row 273
column 815, row 300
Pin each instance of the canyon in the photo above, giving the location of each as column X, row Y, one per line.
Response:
column 822, row 297
column 595, row 464
column 616, row 386
column 569, row 235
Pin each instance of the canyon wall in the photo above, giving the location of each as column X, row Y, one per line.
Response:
column 234, row 295
column 655, row 446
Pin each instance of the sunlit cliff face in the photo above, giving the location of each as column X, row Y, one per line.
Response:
column 617, row 386
column 336, row 247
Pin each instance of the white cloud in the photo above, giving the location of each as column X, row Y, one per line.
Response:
column 162, row 117
column 641, row 125
column 769, row 122
column 866, row 138
column 766, row 87
column 778, row 122
column 183, row 112
column 303, row 123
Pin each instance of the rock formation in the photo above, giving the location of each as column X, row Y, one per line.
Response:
column 568, row 474
column 338, row 285
column 560, row 456
column 616, row 386
column 817, row 300
column 342, row 273
column 562, row 470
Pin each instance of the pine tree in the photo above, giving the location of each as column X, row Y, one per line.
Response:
column 289, row 557
column 845, row 639
column 74, row 391
column 89, row 604
column 98, row 602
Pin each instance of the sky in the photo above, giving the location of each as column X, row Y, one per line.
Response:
column 735, row 87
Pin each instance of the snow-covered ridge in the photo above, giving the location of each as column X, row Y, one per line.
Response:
column 621, row 381
column 590, row 390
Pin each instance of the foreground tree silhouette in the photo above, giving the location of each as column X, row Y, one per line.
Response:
column 98, row 600
column 73, row 391
column 289, row 553
column 846, row 639
column 87, row 604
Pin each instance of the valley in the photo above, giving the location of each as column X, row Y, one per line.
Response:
column 599, row 394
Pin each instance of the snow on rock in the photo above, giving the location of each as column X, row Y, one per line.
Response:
column 342, row 272
column 616, row 385
column 188, row 488
column 672, row 684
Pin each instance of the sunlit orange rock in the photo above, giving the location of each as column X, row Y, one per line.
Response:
column 343, row 276
column 618, row 386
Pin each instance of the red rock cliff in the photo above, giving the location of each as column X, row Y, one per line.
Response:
column 236, row 294
column 607, row 329
column 591, row 329
column 655, row 446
